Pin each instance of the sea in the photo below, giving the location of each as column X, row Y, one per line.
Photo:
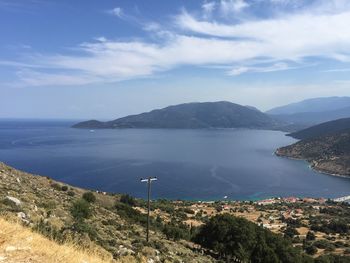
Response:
column 197, row 164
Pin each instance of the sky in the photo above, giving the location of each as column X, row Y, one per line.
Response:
column 105, row 59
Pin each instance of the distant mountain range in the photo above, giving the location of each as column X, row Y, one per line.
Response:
column 325, row 146
column 220, row 114
column 312, row 105
column 312, row 111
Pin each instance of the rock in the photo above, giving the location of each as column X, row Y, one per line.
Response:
column 14, row 200
column 123, row 251
column 18, row 180
column 21, row 215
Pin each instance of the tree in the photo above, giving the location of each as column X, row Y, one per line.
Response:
column 233, row 237
column 291, row 232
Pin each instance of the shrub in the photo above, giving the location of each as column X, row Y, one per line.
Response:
column 80, row 209
column 64, row 188
column 291, row 232
column 176, row 232
column 128, row 200
column 89, row 197
column 82, row 227
column 70, row 193
column 311, row 250
column 56, row 186
column 310, row 236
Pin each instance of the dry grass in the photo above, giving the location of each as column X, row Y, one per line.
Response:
column 19, row 244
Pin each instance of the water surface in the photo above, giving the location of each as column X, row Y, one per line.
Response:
column 189, row 164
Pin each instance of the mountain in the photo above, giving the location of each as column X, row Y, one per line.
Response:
column 191, row 116
column 312, row 105
column 325, row 146
column 312, row 118
column 323, row 129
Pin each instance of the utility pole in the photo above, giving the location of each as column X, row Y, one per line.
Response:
column 149, row 181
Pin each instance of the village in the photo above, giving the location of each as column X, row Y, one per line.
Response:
column 303, row 220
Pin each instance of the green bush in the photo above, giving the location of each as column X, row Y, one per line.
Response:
column 311, row 250
column 176, row 231
column 290, row 232
column 128, row 200
column 56, row 186
column 310, row 236
column 64, row 188
column 89, row 197
column 82, row 227
column 81, row 209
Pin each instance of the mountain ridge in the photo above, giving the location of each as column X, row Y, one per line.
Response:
column 321, row 104
column 196, row 115
column 326, row 128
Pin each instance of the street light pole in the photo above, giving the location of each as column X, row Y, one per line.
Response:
column 148, row 180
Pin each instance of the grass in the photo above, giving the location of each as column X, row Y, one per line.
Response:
column 21, row 245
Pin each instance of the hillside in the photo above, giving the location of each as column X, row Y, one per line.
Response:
column 323, row 129
column 18, row 244
column 191, row 116
column 329, row 154
column 312, row 105
column 58, row 211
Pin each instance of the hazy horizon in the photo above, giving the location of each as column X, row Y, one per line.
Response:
column 104, row 60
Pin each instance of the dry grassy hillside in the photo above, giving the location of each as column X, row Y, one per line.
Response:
column 18, row 244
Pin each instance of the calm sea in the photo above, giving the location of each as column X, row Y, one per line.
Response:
column 189, row 164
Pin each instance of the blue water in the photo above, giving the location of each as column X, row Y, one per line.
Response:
column 189, row 164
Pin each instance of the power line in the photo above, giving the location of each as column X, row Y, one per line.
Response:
column 149, row 181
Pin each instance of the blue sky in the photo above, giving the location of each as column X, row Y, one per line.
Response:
column 106, row 59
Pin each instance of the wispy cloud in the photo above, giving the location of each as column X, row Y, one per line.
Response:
column 262, row 69
column 117, row 11
column 203, row 37
column 337, row 70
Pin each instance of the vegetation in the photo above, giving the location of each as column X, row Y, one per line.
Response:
column 89, row 197
column 180, row 230
column 237, row 238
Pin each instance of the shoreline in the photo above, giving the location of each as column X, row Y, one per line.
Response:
column 310, row 165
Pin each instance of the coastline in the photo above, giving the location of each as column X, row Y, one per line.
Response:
column 313, row 167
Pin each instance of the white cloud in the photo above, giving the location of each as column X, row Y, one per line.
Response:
column 276, row 43
column 292, row 37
